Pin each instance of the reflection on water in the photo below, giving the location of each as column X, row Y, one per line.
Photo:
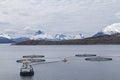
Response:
column 75, row 68
column 27, row 78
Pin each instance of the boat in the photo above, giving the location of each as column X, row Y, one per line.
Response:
column 26, row 69
column 64, row 60
column 98, row 58
column 85, row 55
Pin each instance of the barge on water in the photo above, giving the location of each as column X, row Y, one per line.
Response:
column 26, row 69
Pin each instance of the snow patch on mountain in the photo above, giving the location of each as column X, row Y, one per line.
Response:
column 5, row 36
column 112, row 29
column 68, row 37
column 60, row 37
column 40, row 35
column 109, row 30
column 79, row 36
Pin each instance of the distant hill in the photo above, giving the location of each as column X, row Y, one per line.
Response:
column 20, row 39
column 99, row 34
column 107, row 39
column 5, row 40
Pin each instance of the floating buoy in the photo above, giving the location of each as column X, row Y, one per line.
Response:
column 64, row 60
column 98, row 59
column 85, row 55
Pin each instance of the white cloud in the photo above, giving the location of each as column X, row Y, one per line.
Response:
column 117, row 15
column 58, row 15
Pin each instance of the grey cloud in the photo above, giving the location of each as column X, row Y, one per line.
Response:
column 23, row 14
column 117, row 15
column 6, row 13
column 60, row 15
column 4, row 23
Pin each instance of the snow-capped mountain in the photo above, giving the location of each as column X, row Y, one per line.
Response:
column 109, row 30
column 68, row 37
column 60, row 37
column 39, row 32
column 40, row 35
column 79, row 36
column 4, row 38
column 112, row 29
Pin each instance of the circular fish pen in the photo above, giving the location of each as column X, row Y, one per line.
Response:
column 98, row 59
column 34, row 56
column 85, row 55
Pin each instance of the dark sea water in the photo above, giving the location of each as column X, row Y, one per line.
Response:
column 75, row 69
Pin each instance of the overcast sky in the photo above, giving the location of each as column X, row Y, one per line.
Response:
column 86, row 16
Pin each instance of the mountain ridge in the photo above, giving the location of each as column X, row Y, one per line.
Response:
column 109, row 31
column 108, row 39
column 40, row 35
